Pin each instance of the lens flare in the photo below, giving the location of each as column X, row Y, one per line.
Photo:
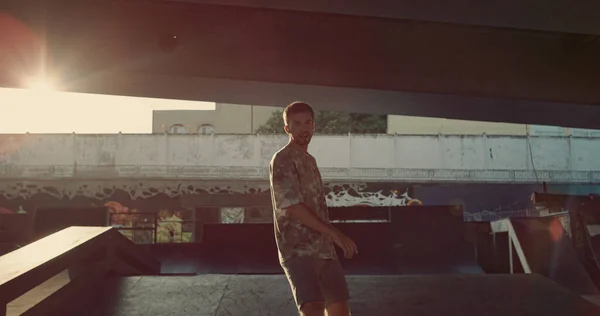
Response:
column 40, row 85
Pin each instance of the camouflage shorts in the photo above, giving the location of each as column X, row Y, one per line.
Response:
column 313, row 280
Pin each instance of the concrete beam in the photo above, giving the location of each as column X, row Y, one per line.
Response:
column 420, row 68
column 346, row 99
column 539, row 15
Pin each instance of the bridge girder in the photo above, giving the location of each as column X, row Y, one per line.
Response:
column 237, row 54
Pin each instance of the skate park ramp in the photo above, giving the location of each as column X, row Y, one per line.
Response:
column 591, row 234
column 541, row 245
column 431, row 240
column 51, row 272
column 107, row 288
column 417, row 240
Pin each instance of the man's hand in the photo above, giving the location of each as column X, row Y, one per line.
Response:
column 310, row 219
column 345, row 243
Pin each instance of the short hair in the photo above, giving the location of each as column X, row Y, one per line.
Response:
column 296, row 107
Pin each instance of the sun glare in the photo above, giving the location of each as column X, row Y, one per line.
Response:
column 42, row 107
column 40, row 85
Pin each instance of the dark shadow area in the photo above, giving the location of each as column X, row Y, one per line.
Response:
column 549, row 251
column 431, row 240
column 49, row 220
column 15, row 231
column 100, row 298
column 418, row 240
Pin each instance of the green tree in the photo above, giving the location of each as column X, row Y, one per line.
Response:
column 332, row 122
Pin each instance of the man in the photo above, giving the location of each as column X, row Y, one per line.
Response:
column 303, row 233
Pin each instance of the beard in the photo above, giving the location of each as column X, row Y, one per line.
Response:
column 302, row 140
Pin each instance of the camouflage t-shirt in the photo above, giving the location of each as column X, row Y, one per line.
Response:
column 295, row 178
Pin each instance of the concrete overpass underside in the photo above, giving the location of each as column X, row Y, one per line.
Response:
column 533, row 62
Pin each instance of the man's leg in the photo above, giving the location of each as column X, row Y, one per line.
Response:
column 313, row 309
column 338, row 309
column 303, row 276
column 335, row 288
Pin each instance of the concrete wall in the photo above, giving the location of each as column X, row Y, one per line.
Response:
column 246, row 119
column 226, row 118
column 412, row 125
column 192, row 119
column 499, row 158
column 241, row 119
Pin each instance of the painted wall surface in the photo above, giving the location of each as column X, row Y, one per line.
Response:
column 375, row 157
column 225, row 118
column 414, row 125
column 162, row 120
column 53, row 193
column 400, row 124
column 492, row 201
column 479, row 201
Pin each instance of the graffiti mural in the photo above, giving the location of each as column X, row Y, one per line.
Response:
column 163, row 226
column 136, row 189
column 368, row 195
column 494, row 201
column 479, row 202
column 99, row 192
column 174, row 226
column 167, row 205
column 234, row 215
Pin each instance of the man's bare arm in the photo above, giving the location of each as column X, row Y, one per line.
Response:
column 308, row 218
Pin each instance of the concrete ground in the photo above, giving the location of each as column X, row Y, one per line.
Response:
column 225, row 295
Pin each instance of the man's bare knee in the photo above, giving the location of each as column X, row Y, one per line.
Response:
column 313, row 309
column 338, row 309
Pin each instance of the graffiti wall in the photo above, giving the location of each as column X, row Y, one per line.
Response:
column 135, row 189
column 492, row 201
column 158, row 211
column 165, row 210
column 29, row 194
column 158, row 226
column 369, row 195
column 23, row 196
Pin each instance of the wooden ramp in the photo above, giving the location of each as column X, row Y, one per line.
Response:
column 541, row 245
column 52, row 271
column 590, row 231
column 263, row 295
